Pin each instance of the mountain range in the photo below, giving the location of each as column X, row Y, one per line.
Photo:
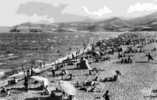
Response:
column 145, row 23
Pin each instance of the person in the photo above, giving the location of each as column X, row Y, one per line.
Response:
column 28, row 73
column 73, row 57
column 91, row 89
column 71, row 97
column 70, row 76
column 31, row 71
column 52, row 94
column 64, row 72
column 14, row 80
column 46, row 91
column 26, row 82
column 119, row 55
column 106, row 95
column 53, row 71
column 95, row 79
column 87, row 65
column 149, row 57
column 5, row 91
column 130, row 60
column 40, row 64
column 84, row 64
column 77, row 84
column 122, row 60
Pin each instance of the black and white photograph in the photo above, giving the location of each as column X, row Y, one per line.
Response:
column 78, row 49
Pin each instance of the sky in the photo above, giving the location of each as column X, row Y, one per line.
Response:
column 14, row 12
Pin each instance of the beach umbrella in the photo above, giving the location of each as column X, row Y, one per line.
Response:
column 41, row 79
column 67, row 87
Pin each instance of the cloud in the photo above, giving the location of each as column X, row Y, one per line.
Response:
column 36, row 18
column 98, row 13
column 50, row 11
column 18, row 11
column 142, row 7
column 40, row 8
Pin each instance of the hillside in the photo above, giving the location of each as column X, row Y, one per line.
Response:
column 145, row 23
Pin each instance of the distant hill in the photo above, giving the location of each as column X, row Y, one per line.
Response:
column 145, row 23
column 148, row 22
column 113, row 24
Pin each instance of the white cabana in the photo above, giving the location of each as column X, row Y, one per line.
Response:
column 41, row 79
column 67, row 87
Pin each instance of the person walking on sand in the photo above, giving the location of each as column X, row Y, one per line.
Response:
column 26, row 83
column 106, row 95
column 149, row 57
column 53, row 71
column 88, row 66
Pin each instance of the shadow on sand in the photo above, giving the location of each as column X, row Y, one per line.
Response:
column 154, row 62
column 44, row 98
column 75, row 69
column 23, row 89
column 141, row 62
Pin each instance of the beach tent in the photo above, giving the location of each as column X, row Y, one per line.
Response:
column 44, row 80
column 67, row 87
column 84, row 64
